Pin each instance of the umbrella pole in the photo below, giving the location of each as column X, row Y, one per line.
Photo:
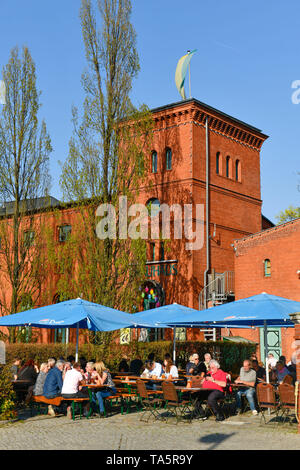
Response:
column 266, row 350
column 174, row 345
column 77, row 341
column 266, row 355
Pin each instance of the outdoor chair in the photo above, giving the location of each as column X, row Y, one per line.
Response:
column 197, row 381
column 266, row 399
column 287, row 400
column 288, row 379
column 172, row 403
column 149, row 401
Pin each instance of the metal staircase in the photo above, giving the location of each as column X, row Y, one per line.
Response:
column 219, row 290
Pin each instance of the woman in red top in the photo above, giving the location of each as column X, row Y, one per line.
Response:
column 217, row 382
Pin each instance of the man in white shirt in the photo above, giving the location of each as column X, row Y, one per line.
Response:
column 153, row 369
column 72, row 386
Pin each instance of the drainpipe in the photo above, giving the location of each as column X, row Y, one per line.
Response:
column 207, row 212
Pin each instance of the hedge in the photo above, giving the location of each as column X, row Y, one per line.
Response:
column 230, row 355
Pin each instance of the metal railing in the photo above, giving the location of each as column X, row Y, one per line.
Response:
column 218, row 289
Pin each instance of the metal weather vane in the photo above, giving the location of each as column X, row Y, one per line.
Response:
column 181, row 70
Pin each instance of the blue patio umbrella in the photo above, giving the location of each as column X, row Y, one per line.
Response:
column 255, row 311
column 260, row 310
column 166, row 317
column 76, row 313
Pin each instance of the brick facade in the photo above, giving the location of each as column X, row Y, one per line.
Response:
column 281, row 246
column 234, row 193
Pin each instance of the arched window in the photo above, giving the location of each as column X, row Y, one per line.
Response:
column 154, row 162
column 218, row 163
column 228, row 166
column 267, row 268
column 238, row 170
column 168, row 159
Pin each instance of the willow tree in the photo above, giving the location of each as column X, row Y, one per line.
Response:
column 107, row 155
column 24, row 177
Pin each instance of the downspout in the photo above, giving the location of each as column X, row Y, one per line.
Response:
column 207, row 211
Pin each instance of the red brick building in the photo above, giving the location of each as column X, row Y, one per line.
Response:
column 269, row 261
column 200, row 156
column 215, row 161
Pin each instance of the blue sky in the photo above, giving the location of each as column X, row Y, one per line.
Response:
column 247, row 58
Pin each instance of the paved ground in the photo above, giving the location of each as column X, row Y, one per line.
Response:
column 128, row 433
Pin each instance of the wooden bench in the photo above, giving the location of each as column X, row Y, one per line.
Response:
column 77, row 401
column 49, row 401
column 58, row 400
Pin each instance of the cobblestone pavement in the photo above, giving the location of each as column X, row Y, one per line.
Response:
column 128, row 433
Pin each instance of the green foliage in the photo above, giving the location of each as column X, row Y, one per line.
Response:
column 230, row 355
column 290, row 213
column 7, row 395
column 24, row 176
column 107, row 158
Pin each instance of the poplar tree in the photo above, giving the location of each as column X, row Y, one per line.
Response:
column 107, row 156
column 24, row 176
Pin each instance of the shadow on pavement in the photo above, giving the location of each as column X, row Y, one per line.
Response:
column 215, row 439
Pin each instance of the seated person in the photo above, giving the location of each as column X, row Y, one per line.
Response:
column 83, row 362
column 90, row 375
column 280, row 372
column 51, row 362
column 67, row 366
column 153, row 369
column 37, row 389
column 53, row 384
column 169, row 369
column 291, row 366
column 15, row 368
column 190, row 364
column 247, row 377
column 72, row 386
column 39, row 384
column 123, row 366
column 136, row 365
column 103, row 378
column 28, row 372
column 217, row 382
column 271, row 361
column 260, row 371
column 194, row 367
column 71, row 359
column 207, row 359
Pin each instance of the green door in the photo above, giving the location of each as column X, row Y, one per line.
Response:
column 274, row 342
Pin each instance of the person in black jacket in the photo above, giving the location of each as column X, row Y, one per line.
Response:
column 28, row 372
column 194, row 367
column 123, row 366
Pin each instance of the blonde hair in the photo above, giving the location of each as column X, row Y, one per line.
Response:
column 43, row 365
column 100, row 367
